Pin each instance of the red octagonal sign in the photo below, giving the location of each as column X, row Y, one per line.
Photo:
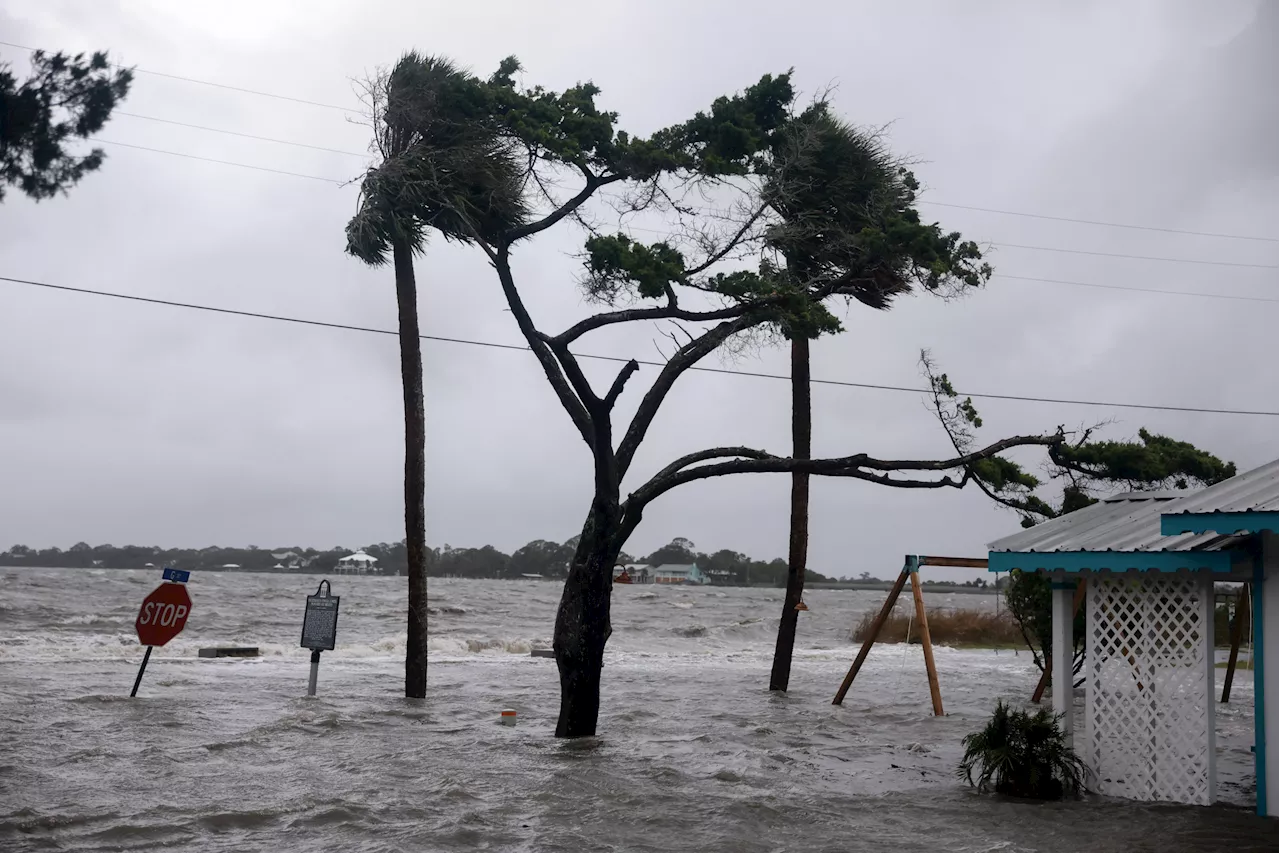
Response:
column 163, row 614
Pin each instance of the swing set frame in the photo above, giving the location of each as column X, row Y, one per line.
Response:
column 910, row 569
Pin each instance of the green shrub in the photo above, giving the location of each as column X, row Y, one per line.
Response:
column 1022, row 755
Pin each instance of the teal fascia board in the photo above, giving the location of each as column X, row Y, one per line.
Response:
column 1259, row 663
column 1224, row 523
column 1113, row 561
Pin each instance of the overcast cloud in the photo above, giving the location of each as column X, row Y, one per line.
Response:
column 123, row 422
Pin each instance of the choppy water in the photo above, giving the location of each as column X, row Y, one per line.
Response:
column 694, row 753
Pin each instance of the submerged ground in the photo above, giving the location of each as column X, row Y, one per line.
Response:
column 694, row 753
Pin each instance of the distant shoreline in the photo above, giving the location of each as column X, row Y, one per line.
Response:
column 864, row 585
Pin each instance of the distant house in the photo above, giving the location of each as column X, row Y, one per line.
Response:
column 359, row 562
column 673, row 573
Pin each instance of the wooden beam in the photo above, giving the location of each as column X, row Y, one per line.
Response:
column 1237, row 634
column 955, row 562
column 935, row 692
column 871, row 637
column 1044, row 679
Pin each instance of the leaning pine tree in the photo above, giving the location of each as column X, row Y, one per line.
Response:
column 442, row 165
column 722, row 275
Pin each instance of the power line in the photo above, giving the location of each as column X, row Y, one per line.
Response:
column 999, row 244
column 237, row 133
column 336, row 182
column 209, row 83
column 1049, row 217
column 1138, row 257
column 619, row 359
column 1138, row 289
column 1100, row 223
column 215, row 160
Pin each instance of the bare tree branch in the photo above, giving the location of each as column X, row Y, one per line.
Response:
column 860, row 466
column 684, row 358
column 731, row 244
column 537, row 342
column 616, row 389
column 664, row 312
column 593, row 183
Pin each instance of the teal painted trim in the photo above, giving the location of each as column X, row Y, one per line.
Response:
column 1114, row 561
column 1224, row 523
column 912, row 563
column 1259, row 689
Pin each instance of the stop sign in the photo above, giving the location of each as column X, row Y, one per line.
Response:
column 163, row 614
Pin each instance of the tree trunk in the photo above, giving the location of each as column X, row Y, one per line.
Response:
column 415, row 472
column 582, row 621
column 801, row 434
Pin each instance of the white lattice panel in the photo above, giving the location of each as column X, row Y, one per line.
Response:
column 1148, row 691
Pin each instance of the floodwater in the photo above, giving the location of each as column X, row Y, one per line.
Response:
column 694, row 753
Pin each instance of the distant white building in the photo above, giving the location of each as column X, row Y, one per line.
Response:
column 359, row 563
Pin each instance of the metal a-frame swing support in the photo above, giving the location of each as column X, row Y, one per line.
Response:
column 910, row 569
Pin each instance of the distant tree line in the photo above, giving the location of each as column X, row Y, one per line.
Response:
column 539, row 557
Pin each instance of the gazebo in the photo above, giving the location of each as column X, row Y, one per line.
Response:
column 359, row 562
column 1149, row 561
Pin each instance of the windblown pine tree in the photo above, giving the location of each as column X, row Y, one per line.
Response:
column 769, row 255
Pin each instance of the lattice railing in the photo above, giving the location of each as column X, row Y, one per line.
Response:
column 1148, row 693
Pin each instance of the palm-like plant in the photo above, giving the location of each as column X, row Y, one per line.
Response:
column 1024, row 755
column 444, row 165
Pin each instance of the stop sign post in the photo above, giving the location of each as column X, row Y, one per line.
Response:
column 162, row 616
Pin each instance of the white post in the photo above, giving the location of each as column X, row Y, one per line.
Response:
column 1063, row 652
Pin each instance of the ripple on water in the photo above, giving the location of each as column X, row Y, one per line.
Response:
column 694, row 752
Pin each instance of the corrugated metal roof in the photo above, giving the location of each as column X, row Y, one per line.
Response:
column 1253, row 491
column 1131, row 522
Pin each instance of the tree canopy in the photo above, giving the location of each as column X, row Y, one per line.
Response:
column 65, row 98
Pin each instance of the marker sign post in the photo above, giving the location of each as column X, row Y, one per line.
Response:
column 319, row 628
column 162, row 616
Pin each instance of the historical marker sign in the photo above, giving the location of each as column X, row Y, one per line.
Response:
column 320, row 624
column 163, row 614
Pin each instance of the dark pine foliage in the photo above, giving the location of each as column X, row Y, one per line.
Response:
column 64, row 99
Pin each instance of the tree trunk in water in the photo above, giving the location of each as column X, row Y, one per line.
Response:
column 582, row 622
column 415, row 472
column 801, row 432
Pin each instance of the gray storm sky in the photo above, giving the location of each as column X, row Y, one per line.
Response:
column 122, row 422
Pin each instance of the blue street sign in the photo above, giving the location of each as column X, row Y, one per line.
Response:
column 176, row 575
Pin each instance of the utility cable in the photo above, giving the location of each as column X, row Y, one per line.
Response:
column 620, row 359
